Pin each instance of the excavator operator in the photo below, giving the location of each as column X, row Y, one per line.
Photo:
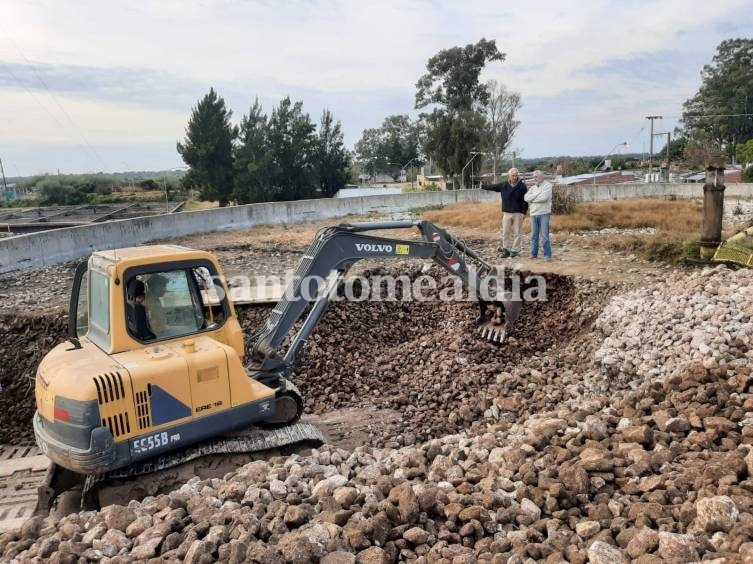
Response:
column 142, row 329
column 156, row 286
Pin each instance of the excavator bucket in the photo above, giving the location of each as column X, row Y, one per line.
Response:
column 737, row 249
column 498, row 317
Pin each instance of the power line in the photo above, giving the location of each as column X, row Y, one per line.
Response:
column 718, row 115
column 54, row 99
column 681, row 116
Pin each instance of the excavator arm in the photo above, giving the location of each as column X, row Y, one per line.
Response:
column 335, row 250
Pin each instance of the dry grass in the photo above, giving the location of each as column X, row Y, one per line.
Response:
column 675, row 216
column 193, row 205
column 677, row 224
column 680, row 216
column 484, row 216
column 293, row 236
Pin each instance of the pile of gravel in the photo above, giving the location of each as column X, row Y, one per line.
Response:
column 561, row 463
column 637, row 480
column 705, row 317
column 426, row 360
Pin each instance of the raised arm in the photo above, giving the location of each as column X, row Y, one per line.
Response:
column 492, row 187
column 328, row 258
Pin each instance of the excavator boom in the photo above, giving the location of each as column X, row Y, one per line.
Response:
column 336, row 249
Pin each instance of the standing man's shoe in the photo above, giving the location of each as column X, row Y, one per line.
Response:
column 505, row 253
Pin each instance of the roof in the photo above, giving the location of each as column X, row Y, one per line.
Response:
column 145, row 252
column 701, row 176
column 579, row 178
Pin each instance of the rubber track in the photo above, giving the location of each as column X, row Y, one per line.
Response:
column 257, row 440
column 22, row 469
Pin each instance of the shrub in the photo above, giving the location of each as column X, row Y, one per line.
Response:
column 58, row 194
column 564, row 201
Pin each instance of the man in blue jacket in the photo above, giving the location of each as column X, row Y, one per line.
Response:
column 514, row 208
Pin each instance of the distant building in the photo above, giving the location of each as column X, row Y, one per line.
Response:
column 429, row 175
column 613, row 177
column 731, row 176
column 379, row 178
column 9, row 191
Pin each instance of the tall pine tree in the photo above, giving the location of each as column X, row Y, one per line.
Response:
column 292, row 142
column 333, row 160
column 208, row 149
column 253, row 160
column 720, row 112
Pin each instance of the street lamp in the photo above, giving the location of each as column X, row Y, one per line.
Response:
column 624, row 144
column 473, row 154
column 406, row 164
column 669, row 140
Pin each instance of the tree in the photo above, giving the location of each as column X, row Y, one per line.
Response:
column 208, row 149
column 720, row 111
column 500, row 120
column 55, row 192
column 745, row 157
column 253, row 159
column 332, row 158
column 745, row 153
column 451, row 85
column 390, row 146
column 677, row 148
column 452, row 79
column 451, row 137
column 293, row 145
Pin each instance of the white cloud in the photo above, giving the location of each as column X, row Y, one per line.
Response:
column 82, row 120
column 340, row 53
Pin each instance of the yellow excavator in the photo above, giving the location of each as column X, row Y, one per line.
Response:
column 152, row 373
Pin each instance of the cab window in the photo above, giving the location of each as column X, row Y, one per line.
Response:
column 168, row 304
column 99, row 302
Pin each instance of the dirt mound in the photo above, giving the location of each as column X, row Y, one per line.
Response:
column 26, row 339
column 425, row 359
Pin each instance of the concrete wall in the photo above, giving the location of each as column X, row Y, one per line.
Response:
column 51, row 247
column 600, row 193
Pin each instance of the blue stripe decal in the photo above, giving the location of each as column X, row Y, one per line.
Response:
column 166, row 408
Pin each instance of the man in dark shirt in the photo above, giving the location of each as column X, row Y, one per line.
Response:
column 140, row 323
column 514, row 208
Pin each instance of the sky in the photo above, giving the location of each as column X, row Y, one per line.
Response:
column 89, row 86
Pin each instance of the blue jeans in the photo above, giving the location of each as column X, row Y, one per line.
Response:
column 540, row 227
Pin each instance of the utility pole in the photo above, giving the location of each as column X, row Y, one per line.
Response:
column 651, row 153
column 669, row 139
column 5, row 184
